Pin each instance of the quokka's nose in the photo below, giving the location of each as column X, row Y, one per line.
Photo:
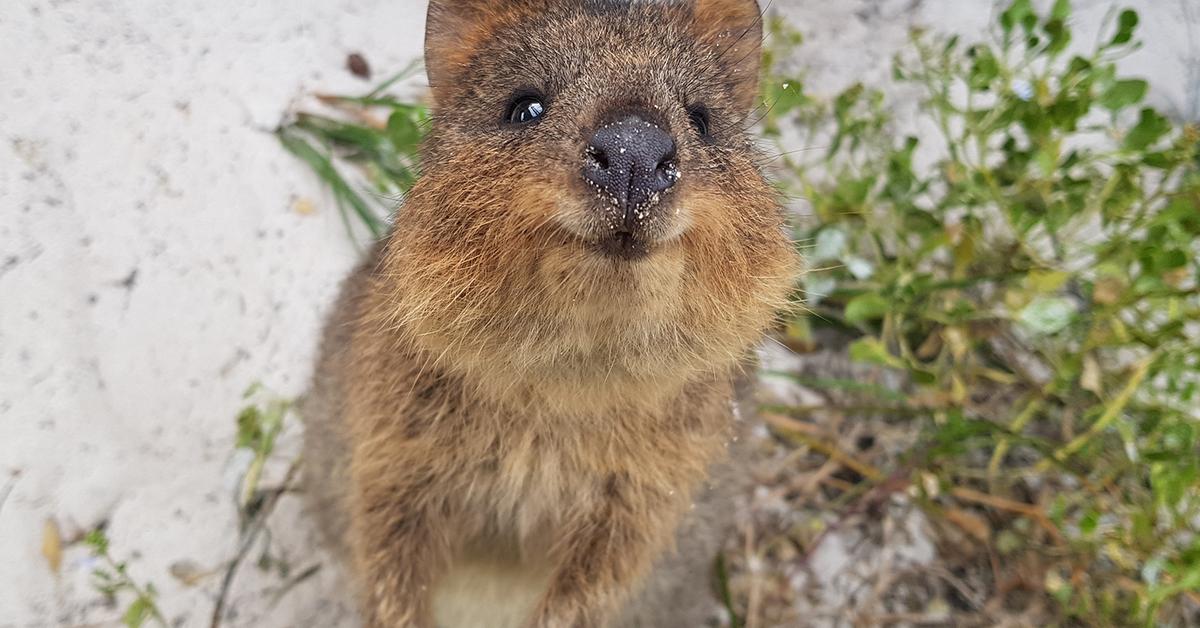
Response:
column 631, row 162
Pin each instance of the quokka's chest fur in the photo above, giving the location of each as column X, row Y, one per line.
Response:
column 511, row 484
column 522, row 472
column 514, row 514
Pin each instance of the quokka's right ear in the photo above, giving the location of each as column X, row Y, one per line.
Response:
column 735, row 27
column 454, row 29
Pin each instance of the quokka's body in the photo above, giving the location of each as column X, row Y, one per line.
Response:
column 522, row 390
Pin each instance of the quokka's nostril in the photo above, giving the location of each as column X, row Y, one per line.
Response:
column 598, row 157
column 667, row 163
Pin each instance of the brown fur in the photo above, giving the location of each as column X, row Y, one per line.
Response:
column 502, row 409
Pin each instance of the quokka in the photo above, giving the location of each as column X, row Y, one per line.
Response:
column 523, row 388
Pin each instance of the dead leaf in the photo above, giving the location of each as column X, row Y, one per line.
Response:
column 304, row 207
column 930, row 347
column 187, row 572
column 930, row 483
column 1090, row 378
column 1176, row 278
column 52, row 545
column 1108, row 291
column 358, row 66
column 958, row 341
column 971, row 523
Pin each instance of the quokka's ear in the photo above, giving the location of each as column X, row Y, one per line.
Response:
column 454, row 29
column 735, row 29
column 451, row 35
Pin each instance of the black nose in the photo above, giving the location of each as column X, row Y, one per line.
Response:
column 631, row 162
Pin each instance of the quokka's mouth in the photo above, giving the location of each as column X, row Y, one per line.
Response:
column 624, row 245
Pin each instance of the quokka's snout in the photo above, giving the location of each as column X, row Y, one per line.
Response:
column 632, row 164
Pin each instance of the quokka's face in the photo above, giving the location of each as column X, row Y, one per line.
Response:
column 615, row 126
column 590, row 209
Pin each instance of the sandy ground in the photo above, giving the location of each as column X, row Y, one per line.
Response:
column 153, row 261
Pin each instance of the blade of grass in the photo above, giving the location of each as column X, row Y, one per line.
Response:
column 791, row 428
column 849, row 385
column 391, row 102
column 412, row 68
column 325, row 169
column 1111, row 412
column 722, row 576
column 337, row 132
column 1002, row 445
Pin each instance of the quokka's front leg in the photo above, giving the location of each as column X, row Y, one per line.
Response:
column 603, row 553
column 400, row 542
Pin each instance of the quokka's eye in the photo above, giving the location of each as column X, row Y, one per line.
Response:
column 698, row 115
column 526, row 109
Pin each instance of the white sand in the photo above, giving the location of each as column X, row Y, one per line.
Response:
column 153, row 263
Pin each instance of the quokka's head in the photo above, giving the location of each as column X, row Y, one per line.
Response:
column 626, row 112
column 589, row 160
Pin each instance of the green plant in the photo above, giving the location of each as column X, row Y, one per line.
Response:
column 1031, row 268
column 368, row 162
column 259, row 425
column 112, row 579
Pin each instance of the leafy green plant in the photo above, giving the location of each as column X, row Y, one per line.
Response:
column 259, row 426
column 1031, row 267
column 368, row 162
column 112, row 579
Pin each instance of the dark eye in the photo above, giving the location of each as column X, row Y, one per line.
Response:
column 698, row 114
column 525, row 109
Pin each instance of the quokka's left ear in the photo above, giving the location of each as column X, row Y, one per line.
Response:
column 454, row 30
column 735, row 29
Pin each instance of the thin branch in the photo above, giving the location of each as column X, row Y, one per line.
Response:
column 8, row 488
column 252, row 532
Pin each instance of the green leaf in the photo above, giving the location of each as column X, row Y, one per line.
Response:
column 249, row 427
column 1123, row 94
column 404, row 132
column 1059, row 35
column 1043, row 281
column 1061, row 10
column 1047, row 315
column 984, row 67
column 846, row 99
column 1172, row 482
column 831, row 244
column 1126, row 24
column 871, row 351
column 950, row 44
column 1125, row 191
column 1017, row 13
column 1151, row 127
column 784, row 96
column 1046, row 158
column 1089, row 523
column 867, row 307
column 97, row 541
column 137, row 613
